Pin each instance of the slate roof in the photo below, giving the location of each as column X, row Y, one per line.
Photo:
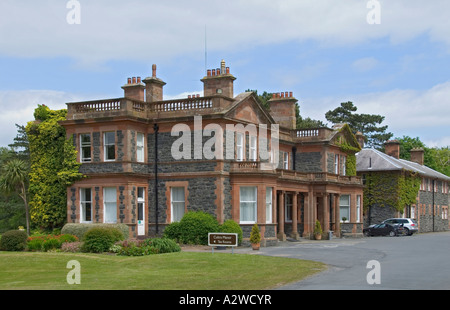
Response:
column 372, row 160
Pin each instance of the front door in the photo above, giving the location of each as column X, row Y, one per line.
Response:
column 141, row 212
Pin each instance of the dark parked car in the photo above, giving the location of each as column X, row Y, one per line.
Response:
column 384, row 229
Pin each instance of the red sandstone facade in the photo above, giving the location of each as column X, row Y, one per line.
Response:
column 127, row 149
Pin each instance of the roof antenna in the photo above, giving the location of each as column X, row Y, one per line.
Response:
column 206, row 53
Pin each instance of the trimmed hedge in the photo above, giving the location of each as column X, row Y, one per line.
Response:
column 79, row 229
column 13, row 240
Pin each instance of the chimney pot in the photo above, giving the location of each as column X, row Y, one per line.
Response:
column 129, row 80
column 228, row 70
column 134, row 80
column 209, row 72
column 139, row 79
column 213, row 72
column 290, row 95
column 153, row 70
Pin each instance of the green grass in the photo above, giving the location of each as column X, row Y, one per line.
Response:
column 174, row 271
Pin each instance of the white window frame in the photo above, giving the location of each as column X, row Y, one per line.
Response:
column 336, row 164
column 176, row 203
column 84, row 145
column 344, row 206
column 269, row 197
column 141, row 202
column 286, row 160
column 239, row 146
column 344, row 168
column 358, row 208
column 253, row 147
column 253, row 202
column 84, row 203
column 140, row 143
column 107, row 144
column 107, row 204
column 445, row 213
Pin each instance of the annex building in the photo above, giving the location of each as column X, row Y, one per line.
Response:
column 148, row 161
column 384, row 175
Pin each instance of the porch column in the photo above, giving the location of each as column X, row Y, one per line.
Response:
column 326, row 213
column 281, row 235
column 309, row 214
column 294, row 233
column 337, row 221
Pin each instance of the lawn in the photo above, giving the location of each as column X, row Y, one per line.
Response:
column 174, row 271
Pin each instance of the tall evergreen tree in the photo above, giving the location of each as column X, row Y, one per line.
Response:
column 368, row 124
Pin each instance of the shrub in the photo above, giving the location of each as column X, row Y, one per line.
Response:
column 34, row 243
column 173, row 231
column 230, row 226
column 193, row 228
column 51, row 243
column 98, row 239
column 66, row 238
column 164, row 245
column 255, row 236
column 79, row 229
column 72, row 247
column 13, row 240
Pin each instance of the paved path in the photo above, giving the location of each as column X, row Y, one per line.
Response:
column 408, row 262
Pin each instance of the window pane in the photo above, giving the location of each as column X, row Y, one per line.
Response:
column 109, row 199
column 269, row 205
column 109, row 146
column 248, row 204
column 141, row 193
column 88, row 212
column 178, row 205
column 140, row 147
column 140, row 211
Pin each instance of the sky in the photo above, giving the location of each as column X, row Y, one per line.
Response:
column 388, row 57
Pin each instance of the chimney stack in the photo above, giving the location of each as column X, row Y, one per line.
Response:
column 360, row 139
column 218, row 81
column 392, row 148
column 134, row 89
column 153, row 87
column 282, row 109
column 418, row 155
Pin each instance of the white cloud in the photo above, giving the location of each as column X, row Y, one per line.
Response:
column 423, row 114
column 116, row 29
column 18, row 108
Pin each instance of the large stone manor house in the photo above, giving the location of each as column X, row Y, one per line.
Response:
column 245, row 162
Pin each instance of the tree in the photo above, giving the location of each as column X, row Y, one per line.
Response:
column 368, row 124
column 21, row 146
column 441, row 159
column 14, row 178
column 435, row 158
